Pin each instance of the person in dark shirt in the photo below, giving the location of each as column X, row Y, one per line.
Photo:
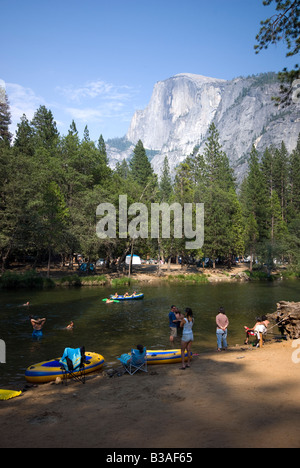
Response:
column 173, row 323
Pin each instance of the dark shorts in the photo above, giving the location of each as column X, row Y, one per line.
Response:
column 37, row 334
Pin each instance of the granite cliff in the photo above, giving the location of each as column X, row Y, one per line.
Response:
column 182, row 108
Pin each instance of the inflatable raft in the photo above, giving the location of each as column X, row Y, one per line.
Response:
column 136, row 297
column 164, row 356
column 49, row 370
column 8, row 394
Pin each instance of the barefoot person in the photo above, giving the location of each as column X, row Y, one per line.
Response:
column 187, row 337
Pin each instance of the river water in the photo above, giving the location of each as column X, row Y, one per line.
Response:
column 112, row 329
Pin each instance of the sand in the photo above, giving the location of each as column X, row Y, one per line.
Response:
column 245, row 397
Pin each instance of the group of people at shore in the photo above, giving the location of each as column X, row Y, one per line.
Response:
column 185, row 322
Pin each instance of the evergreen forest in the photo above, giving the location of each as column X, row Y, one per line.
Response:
column 51, row 185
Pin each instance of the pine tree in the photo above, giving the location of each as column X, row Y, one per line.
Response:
column 86, row 134
column 51, row 219
column 45, row 130
column 255, row 202
column 166, row 186
column 122, row 169
column 24, row 141
column 223, row 220
column 218, row 168
column 5, row 118
column 281, row 177
column 140, row 165
column 102, row 149
column 294, row 182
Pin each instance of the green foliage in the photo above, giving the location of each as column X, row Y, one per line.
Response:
column 5, row 135
column 140, row 166
column 284, row 26
column 193, row 278
column 258, row 275
column 51, row 185
column 30, row 280
column 270, row 201
column 121, row 282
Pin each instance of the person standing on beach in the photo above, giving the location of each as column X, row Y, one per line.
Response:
column 222, row 329
column 187, row 337
column 173, row 321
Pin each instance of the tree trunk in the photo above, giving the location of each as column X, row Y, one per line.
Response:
column 131, row 257
column 287, row 317
column 49, row 263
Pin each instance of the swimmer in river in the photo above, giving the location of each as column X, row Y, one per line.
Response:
column 37, row 325
column 70, row 326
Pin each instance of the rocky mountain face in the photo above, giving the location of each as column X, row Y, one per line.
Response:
column 182, row 108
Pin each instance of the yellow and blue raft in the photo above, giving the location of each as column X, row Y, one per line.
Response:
column 49, row 370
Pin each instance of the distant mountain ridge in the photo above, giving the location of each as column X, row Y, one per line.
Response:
column 182, row 108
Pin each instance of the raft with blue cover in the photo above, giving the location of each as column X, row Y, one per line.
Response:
column 135, row 297
column 49, row 370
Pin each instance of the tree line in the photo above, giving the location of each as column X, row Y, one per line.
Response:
column 51, row 185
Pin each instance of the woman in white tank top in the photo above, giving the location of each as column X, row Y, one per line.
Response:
column 187, row 337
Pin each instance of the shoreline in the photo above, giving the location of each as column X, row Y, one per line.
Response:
column 244, row 397
column 146, row 274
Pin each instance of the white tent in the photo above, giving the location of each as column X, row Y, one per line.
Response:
column 136, row 260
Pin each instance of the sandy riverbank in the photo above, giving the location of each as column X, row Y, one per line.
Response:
column 147, row 274
column 244, row 397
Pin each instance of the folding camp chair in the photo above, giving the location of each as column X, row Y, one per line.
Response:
column 72, row 364
column 135, row 361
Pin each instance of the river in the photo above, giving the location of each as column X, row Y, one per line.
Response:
column 112, row 329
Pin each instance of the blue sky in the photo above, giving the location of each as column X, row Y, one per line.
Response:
column 97, row 61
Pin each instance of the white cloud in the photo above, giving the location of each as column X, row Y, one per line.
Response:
column 96, row 89
column 85, row 115
column 22, row 100
column 100, row 105
column 97, row 101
